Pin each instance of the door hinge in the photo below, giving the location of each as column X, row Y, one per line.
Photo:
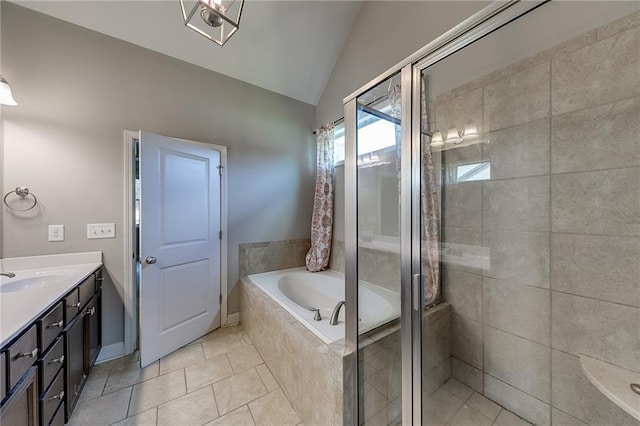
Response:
column 220, row 235
column 220, row 167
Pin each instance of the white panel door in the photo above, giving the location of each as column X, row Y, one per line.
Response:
column 179, row 243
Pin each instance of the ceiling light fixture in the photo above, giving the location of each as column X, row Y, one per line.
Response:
column 216, row 20
column 6, row 98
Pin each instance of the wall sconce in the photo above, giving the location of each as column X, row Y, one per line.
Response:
column 453, row 136
column 6, row 98
column 219, row 19
column 436, row 139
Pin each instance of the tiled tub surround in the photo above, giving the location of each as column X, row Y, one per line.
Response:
column 255, row 258
column 560, row 219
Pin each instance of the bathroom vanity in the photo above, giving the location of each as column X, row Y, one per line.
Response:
column 50, row 335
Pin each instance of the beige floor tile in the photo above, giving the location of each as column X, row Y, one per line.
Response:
column 488, row 408
column 221, row 344
column 148, row 418
column 207, row 372
column 468, row 416
column 239, row 417
column 238, row 390
column 244, row 358
column 128, row 374
column 267, row 378
column 195, row 409
column 507, row 418
column 157, row 391
column 274, row 409
column 103, row 410
column 94, row 386
column 442, row 403
column 181, row 358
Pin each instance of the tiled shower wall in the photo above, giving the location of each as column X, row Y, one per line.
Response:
column 560, row 222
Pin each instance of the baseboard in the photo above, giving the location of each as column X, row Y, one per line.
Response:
column 109, row 352
column 233, row 319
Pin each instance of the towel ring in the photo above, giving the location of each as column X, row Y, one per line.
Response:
column 21, row 191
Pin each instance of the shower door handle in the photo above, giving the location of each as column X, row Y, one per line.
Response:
column 417, row 284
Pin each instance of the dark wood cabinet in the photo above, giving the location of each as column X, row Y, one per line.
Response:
column 43, row 369
column 21, row 408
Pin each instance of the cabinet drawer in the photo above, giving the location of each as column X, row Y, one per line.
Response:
column 87, row 288
column 58, row 417
column 51, row 399
column 51, row 326
column 3, row 376
column 51, row 363
column 22, row 354
column 72, row 305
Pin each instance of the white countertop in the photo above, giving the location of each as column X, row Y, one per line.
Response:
column 20, row 308
column 614, row 382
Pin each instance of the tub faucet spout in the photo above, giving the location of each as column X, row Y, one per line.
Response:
column 335, row 313
column 8, row 274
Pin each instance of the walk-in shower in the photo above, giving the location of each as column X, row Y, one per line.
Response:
column 493, row 180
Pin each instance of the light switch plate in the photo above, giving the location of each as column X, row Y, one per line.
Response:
column 101, row 230
column 56, row 232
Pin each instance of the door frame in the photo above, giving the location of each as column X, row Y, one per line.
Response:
column 131, row 303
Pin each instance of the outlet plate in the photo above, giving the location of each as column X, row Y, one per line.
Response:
column 101, row 230
column 56, row 232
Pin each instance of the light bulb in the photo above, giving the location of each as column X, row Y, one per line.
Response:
column 453, row 136
column 6, row 98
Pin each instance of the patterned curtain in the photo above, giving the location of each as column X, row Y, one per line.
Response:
column 322, row 219
column 428, row 196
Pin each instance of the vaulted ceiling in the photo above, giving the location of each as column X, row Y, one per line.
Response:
column 288, row 47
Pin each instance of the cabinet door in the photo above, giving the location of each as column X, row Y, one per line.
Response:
column 93, row 325
column 3, row 376
column 22, row 406
column 74, row 355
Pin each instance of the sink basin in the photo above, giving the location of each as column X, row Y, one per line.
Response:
column 18, row 284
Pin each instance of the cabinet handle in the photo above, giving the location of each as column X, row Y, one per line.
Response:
column 59, row 396
column 58, row 360
column 75, row 305
column 58, row 324
column 92, row 311
column 32, row 354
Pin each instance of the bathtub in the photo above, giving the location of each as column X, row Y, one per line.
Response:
column 298, row 289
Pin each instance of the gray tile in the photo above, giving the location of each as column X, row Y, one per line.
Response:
column 600, row 73
column 459, row 155
column 240, row 417
column 267, row 378
column 559, row 418
column 274, row 409
column 462, row 205
column 469, row 416
column 104, row 410
column 519, row 98
column 603, row 202
column 467, row 374
column 519, row 309
column 431, row 379
column 619, row 25
column 244, row 358
column 459, row 110
column 519, row 151
column 207, row 372
column 604, row 330
column 521, row 204
column 181, row 358
column 458, row 389
column 462, row 249
column 125, row 375
column 583, row 140
column 574, row 394
column 521, row 257
column 221, row 344
column 95, row 383
column 583, row 263
column 156, row 391
column 147, row 418
column 436, row 335
column 238, row 390
column 466, row 342
column 442, row 403
column 520, row 403
column 520, row 363
column 507, row 418
column 488, row 408
column 464, row 291
column 195, row 408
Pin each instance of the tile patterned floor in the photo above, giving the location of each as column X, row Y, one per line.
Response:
column 217, row 380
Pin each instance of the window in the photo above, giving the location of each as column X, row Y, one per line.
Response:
column 338, row 144
column 473, row 172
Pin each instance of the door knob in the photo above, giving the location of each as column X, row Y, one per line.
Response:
column 150, row 260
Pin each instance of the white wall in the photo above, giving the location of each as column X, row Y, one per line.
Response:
column 78, row 90
column 383, row 34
